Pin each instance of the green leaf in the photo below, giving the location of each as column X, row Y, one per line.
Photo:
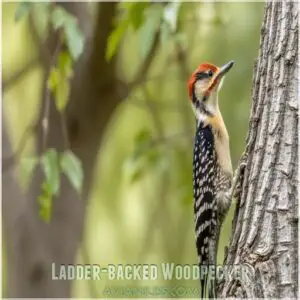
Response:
column 23, row 10
column 50, row 167
column 137, row 174
column 148, row 30
column 134, row 169
column 50, row 185
column 58, row 81
column 75, row 39
column 141, row 141
column 60, row 17
column 135, row 18
column 144, row 157
column 45, row 203
column 60, row 87
column 114, row 39
column 64, row 63
column 156, row 158
column 143, row 136
column 136, row 14
column 53, row 79
column 72, row 168
column 62, row 95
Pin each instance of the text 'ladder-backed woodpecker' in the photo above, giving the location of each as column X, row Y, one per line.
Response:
column 212, row 170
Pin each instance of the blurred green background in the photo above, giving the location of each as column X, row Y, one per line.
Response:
column 140, row 209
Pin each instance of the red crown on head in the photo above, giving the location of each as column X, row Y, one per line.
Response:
column 202, row 68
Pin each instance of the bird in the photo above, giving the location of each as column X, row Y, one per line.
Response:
column 213, row 180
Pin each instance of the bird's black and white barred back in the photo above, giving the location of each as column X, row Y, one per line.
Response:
column 204, row 184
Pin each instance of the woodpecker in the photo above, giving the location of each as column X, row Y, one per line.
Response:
column 212, row 170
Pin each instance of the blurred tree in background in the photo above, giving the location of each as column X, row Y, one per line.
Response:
column 128, row 121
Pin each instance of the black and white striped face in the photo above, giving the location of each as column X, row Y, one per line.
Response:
column 204, row 86
column 205, row 102
column 201, row 84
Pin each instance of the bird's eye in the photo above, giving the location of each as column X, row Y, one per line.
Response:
column 203, row 75
column 210, row 73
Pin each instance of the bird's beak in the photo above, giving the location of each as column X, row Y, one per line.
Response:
column 220, row 74
column 224, row 69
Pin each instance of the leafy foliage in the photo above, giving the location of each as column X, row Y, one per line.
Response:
column 136, row 14
column 150, row 27
column 45, row 202
column 75, row 40
column 72, row 168
column 144, row 158
column 114, row 39
column 61, row 19
column 58, row 81
column 50, row 186
column 59, row 84
column 22, row 10
column 134, row 18
column 52, row 165
column 145, row 19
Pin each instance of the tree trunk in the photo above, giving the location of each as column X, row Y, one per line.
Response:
column 265, row 228
column 33, row 245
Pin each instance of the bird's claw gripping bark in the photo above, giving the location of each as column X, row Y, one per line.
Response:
column 239, row 176
column 237, row 181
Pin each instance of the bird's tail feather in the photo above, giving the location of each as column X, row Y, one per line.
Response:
column 203, row 282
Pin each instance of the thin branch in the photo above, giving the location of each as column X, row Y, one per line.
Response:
column 65, row 130
column 8, row 83
column 8, row 162
column 45, row 119
column 164, row 140
column 145, row 66
column 161, row 106
column 141, row 79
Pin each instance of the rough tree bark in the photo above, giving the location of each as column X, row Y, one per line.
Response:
column 265, row 228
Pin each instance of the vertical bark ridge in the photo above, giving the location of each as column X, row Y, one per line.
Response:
column 265, row 234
